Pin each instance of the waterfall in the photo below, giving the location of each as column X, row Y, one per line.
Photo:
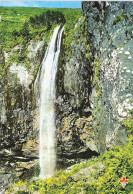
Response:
column 46, row 79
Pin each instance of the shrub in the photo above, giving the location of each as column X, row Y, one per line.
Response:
column 118, row 18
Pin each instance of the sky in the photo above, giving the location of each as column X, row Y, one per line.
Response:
column 49, row 4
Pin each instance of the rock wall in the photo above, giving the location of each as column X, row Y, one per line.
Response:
column 18, row 116
column 73, row 108
column 96, row 92
column 110, row 33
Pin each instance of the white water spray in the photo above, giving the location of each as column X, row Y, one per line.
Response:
column 47, row 77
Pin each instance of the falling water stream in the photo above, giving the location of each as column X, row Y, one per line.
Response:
column 47, row 153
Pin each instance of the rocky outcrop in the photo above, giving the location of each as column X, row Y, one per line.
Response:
column 89, row 173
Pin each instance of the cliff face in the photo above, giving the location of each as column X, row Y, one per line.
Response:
column 97, row 85
column 110, row 34
column 73, row 110
column 18, row 126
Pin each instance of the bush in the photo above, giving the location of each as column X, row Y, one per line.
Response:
column 25, row 30
column 118, row 18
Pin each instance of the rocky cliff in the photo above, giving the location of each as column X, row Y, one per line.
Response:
column 110, row 34
column 74, row 114
column 96, row 93
column 18, row 126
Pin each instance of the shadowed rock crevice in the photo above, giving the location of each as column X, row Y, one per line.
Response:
column 82, row 155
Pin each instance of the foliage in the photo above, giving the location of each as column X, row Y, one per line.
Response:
column 119, row 18
column 69, row 34
column 25, row 31
column 47, row 18
column 128, row 123
column 101, row 28
column 14, row 18
column 118, row 163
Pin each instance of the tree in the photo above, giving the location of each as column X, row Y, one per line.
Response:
column 47, row 18
column 25, row 30
column 15, row 33
column 32, row 21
